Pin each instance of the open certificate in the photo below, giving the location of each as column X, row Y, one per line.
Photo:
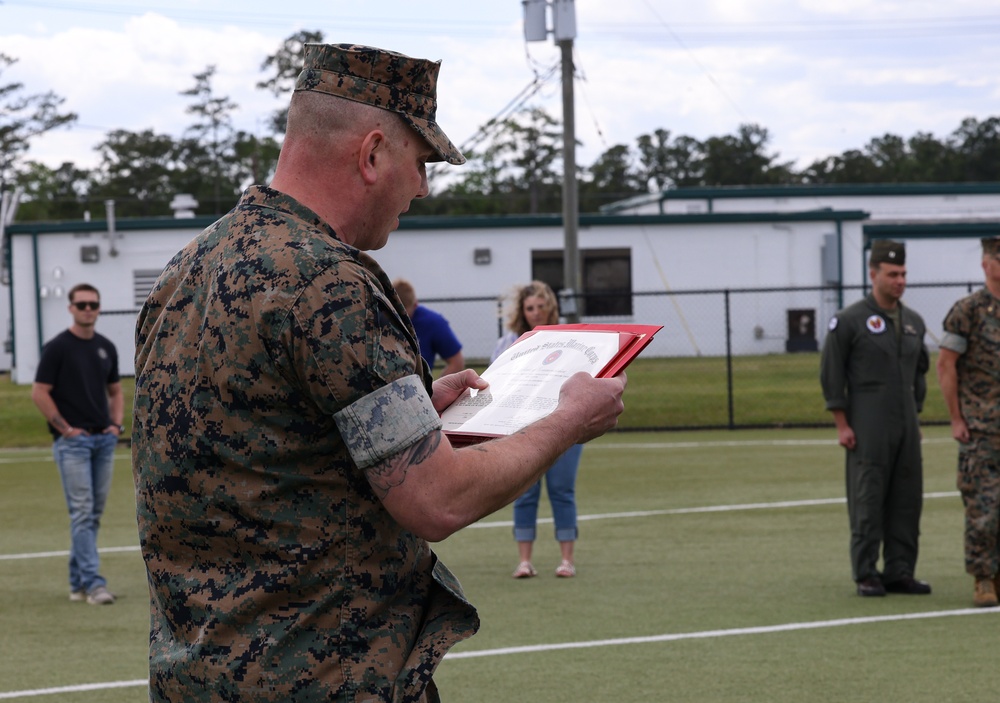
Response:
column 525, row 379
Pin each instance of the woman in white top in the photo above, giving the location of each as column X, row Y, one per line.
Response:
column 535, row 304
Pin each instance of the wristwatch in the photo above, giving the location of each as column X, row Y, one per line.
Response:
column 121, row 429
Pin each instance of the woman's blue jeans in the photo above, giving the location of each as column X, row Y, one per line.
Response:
column 560, row 483
column 86, row 465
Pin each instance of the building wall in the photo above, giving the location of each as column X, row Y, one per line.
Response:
column 6, row 330
column 678, row 255
column 887, row 207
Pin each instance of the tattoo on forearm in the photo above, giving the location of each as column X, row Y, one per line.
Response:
column 392, row 472
column 60, row 424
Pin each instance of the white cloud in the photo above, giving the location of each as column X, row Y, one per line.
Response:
column 822, row 77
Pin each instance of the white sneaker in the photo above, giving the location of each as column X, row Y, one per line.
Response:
column 100, row 596
column 78, row 596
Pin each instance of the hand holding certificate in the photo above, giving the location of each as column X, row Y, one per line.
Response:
column 526, row 379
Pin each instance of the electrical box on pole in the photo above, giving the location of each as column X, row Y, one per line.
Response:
column 563, row 20
column 563, row 32
column 535, row 28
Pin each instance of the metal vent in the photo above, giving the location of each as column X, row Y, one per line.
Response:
column 142, row 283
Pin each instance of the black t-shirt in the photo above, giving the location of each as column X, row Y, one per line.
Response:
column 79, row 371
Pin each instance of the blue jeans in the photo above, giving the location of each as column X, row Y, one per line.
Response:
column 560, row 482
column 86, row 465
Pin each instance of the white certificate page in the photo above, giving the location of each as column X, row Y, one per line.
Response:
column 525, row 380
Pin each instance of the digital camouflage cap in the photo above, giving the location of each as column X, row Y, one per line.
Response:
column 384, row 79
column 886, row 251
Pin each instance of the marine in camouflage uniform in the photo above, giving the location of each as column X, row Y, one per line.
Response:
column 873, row 368
column 275, row 363
column 969, row 373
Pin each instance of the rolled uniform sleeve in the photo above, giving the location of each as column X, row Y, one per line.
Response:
column 957, row 328
column 954, row 342
column 386, row 421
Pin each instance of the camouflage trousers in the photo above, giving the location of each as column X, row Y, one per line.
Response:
column 979, row 484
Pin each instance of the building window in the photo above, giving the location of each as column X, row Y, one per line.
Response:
column 606, row 278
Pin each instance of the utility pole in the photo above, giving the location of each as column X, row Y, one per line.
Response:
column 563, row 32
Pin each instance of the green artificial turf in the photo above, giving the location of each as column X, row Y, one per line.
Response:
column 713, row 566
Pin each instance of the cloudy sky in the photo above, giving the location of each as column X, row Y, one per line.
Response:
column 821, row 76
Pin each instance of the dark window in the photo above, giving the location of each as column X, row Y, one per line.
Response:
column 606, row 274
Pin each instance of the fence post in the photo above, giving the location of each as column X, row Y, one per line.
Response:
column 729, row 360
column 499, row 318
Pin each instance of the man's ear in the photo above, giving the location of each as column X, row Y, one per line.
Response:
column 370, row 154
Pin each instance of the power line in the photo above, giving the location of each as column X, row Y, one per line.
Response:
column 768, row 31
column 698, row 63
column 494, row 123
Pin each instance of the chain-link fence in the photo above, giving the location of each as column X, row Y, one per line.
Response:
column 726, row 358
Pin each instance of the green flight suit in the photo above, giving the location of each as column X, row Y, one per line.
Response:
column 875, row 372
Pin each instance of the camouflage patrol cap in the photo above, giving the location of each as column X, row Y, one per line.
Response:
column 888, row 252
column 991, row 246
column 384, row 79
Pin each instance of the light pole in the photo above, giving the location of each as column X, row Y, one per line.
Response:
column 563, row 33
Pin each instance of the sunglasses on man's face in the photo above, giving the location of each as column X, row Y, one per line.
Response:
column 87, row 305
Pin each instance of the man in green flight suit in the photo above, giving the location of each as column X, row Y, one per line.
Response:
column 873, row 370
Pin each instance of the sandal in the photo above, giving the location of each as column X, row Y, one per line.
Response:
column 524, row 570
column 565, row 570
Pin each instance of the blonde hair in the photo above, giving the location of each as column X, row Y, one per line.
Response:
column 537, row 289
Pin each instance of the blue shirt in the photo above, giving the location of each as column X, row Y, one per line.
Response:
column 434, row 334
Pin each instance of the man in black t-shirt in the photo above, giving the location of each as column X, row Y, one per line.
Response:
column 78, row 391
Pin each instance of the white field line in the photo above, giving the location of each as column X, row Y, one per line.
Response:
column 601, row 516
column 737, row 443
column 72, row 689
column 594, row 643
column 9, row 456
column 6, row 458
column 705, row 509
column 709, row 634
column 535, row 648
column 65, row 553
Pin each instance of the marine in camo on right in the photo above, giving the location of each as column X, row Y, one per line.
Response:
column 969, row 373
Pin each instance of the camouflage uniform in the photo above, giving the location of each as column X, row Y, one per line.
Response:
column 972, row 330
column 273, row 364
column 878, row 377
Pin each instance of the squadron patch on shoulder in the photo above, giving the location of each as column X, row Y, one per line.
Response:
column 875, row 324
column 833, row 323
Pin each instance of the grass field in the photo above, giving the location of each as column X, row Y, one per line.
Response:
column 774, row 390
column 712, row 567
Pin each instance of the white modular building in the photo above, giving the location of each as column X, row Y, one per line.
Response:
column 725, row 270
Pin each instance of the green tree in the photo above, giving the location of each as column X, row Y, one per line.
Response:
column 685, row 161
column 934, row 161
column 740, row 159
column 209, row 142
column 139, row 170
column 670, row 164
column 654, row 159
column 22, row 118
column 53, row 194
column 286, row 64
column 254, row 158
column 532, row 144
column 977, row 145
column 613, row 176
column 517, row 171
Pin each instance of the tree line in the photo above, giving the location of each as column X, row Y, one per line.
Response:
column 515, row 166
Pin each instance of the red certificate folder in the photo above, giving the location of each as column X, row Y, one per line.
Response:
column 632, row 339
column 524, row 391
